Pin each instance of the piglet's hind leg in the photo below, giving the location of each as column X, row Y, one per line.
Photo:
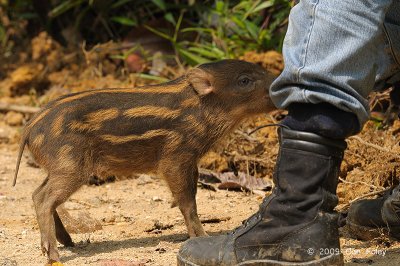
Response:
column 47, row 197
column 62, row 234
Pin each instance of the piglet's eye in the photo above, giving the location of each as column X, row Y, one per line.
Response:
column 244, row 81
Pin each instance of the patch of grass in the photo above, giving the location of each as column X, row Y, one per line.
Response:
column 199, row 31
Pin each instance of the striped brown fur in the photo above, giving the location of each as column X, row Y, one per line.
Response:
column 164, row 129
column 156, row 111
column 149, row 135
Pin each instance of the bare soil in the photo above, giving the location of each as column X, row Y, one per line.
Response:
column 128, row 211
column 129, row 221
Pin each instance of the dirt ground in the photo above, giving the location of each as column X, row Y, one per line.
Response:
column 129, row 221
column 127, row 211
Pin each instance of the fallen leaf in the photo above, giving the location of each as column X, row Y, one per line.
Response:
column 230, row 181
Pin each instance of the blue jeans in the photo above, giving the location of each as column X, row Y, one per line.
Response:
column 338, row 51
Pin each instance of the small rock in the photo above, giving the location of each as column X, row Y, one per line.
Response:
column 13, row 118
column 95, row 202
column 81, row 222
column 161, row 250
column 144, row 179
column 110, row 219
column 157, row 198
column 135, row 63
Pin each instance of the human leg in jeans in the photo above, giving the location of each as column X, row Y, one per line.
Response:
column 332, row 53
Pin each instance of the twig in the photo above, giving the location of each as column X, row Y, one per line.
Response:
column 369, row 195
column 374, row 145
column 345, row 206
column 247, row 137
column 270, row 116
column 18, row 108
column 355, row 154
column 214, row 220
column 359, row 182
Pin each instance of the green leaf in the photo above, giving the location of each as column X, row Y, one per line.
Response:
column 219, row 6
column 124, row 21
column 221, row 54
column 252, row 29
column 177, row 26
column 64, row 7
column 192, row 57
column 159, row 33
column 249, row 9
column 240, row 23
column 262, row 6
column 120, row 3
column 118, row 56
column 151, row 77
column 170, row 18
column 243, row 5
column 160, row 4
column 197, row 29
column 203, row 52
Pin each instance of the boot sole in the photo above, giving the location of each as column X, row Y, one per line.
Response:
column 331, row 260
column 369, row 233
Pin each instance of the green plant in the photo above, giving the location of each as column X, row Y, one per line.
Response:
column 200, row 31
column 232, row 28
column 101, row 20
column 229, row 28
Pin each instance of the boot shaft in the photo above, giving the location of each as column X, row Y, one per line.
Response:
column 299, row 214
column 307, row 169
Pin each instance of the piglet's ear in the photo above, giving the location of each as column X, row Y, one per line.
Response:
column 200, row 80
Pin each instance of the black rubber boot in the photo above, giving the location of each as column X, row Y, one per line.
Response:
column 371, row 218
column 296, row 224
